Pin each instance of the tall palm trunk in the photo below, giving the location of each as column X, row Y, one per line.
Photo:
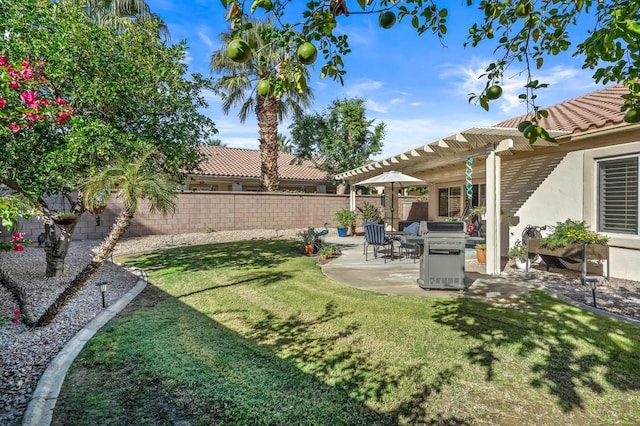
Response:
column 106, row 248
column 267, row 113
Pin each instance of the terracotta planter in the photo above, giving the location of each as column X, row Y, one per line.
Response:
column 308, row 249
column 481, row 255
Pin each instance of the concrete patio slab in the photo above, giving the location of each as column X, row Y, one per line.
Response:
column 398, row 276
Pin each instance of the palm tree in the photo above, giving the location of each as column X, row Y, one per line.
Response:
column 284, row 144
column 288, row 91
column 133, row 182
column 121, row 13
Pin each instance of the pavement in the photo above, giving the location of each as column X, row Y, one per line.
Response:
column 398, row 276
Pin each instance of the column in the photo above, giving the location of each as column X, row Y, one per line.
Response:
column 493, row 266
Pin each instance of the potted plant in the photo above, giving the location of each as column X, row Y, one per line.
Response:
column 481, row 253
column 308, row 239
column 518, row 253
column 345, row 218
column 370, row 213
column 328, row 251
column 64, row 218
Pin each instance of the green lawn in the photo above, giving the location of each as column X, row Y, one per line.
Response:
column 253, row 333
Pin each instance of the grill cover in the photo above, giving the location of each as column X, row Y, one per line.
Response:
column 442, row 262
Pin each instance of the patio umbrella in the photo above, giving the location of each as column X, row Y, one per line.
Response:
column 392, row 178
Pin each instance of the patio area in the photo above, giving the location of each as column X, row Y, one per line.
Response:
column 398, row 276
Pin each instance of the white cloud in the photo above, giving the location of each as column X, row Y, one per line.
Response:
column 361, row 88
column 565, row 82
column 380, row 107
column 203, row 34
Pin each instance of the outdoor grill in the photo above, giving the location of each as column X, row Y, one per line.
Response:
column 442, row 261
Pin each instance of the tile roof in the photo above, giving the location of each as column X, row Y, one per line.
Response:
column 245, row 163
column 592, row 111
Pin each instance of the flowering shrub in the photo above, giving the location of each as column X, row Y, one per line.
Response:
column 26, row 98
column 572, row 232
column 17, row 242
column 14, row 319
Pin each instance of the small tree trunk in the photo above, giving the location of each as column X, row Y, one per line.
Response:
column 56, row 248
column 19, row 296
column 117, row 231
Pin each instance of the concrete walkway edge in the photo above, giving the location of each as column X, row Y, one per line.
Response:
column 40, row 409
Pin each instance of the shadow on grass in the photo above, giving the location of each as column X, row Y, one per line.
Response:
column 350, row 370
column 246, row 254
column 166, row 363
column 169, row 362
column 261, row 279
column 557, row 333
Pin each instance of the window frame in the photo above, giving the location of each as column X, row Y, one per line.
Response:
column 449, row 197
column 599, row 201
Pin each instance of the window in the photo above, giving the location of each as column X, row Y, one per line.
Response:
column 449, row 201
column 479, row 197
column 618, row 195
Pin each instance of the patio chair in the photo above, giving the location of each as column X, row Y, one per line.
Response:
column 364, row 245
column 374, row 236
column 412, row 248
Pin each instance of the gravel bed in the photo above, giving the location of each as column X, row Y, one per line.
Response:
column 25, row 353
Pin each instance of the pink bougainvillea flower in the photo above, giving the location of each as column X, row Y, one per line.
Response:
column 14, row 85
column 14, row 127
column 18, row 236
column 29, row 98
column 3, row 62
column 27, row 73
column 60, row 101
column 17, row 312
column 18, row 247
column 45, row 102
column 15, row 320
column 3, row 102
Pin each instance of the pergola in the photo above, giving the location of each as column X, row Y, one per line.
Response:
column 489, row 143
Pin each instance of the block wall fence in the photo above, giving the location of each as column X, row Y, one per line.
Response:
column 223, row 211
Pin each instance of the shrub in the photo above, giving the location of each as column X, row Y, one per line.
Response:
column 370, row 213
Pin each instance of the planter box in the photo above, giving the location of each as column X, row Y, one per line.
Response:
column 571, row 251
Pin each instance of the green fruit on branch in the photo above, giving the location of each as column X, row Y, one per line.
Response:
column 532, row 132
column 267, row 5
column 632, row 116
column 307, row 53
column 494, row 92
column 524, row 9
column 238, row 51
column 263, row 88
column 523, row 126
column 387, row 19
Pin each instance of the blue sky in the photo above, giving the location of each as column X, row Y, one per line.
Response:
column 413, row 84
